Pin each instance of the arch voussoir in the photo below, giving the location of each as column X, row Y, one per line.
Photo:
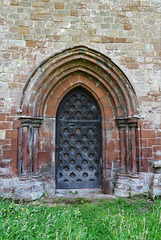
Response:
column 72, row 60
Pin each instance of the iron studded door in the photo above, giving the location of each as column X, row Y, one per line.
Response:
column 78, row 141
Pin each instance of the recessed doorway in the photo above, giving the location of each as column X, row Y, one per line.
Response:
column 78, row 141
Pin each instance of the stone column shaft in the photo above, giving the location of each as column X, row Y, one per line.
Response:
column 122, row 128
column 35, row 150
column 36, row 125
column 132, row 122
column 25, row 128
column 29, row 138
column 24, row 150
column 122, row 149
column 133, row 140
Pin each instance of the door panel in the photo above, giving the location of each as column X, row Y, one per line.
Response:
column 78, row 141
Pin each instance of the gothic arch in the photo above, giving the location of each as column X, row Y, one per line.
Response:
column 53, row 70
column 56, row 76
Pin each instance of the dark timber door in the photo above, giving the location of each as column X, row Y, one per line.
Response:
column 78, row 141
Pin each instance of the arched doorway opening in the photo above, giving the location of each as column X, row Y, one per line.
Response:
column 78, row 141
column 60, row 74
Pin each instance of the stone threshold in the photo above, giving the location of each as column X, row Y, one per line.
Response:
column 89, row 193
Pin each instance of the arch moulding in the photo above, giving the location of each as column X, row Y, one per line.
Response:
column 48, row 84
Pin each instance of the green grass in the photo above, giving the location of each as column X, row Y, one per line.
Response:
column 81, row 219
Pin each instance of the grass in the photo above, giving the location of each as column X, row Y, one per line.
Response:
column 81, row 219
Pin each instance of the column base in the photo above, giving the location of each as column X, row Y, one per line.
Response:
column 24, row 177
column 122, row 172
column 122, row 186
column 36, row 175
column 133, row 175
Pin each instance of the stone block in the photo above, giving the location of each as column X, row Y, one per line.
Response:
column 128, row 186
column 2, row 134
column 59, row 5
column 2, row 115
column 11, row 134
column 15, row 2
column 120, row 40
column 113, row 33
column 4, row 171
column 6, row 77
column 37, row 17
column 149, row 47
column 49, row 187
column 157, row 164
column 3, row 29
column 37, row 4
column 37, row 186
column 74, row 12
column 25, row 4
column 122, row 186
column 147, row 152
column 20, row 62
column 145, row 180
column 155, row 88
column 36, row 195
column 156, row 186
column 6, row 182
column 5, row 193
column 28, row 190
column 3, row 85
column 31, row 43
column 16, row 43
column 121, row 192
column 127, row 27
column 106, row 39
column 6, row 2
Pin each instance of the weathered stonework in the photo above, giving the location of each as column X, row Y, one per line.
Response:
column 110, row 48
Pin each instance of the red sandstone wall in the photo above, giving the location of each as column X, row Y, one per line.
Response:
column 150, row 145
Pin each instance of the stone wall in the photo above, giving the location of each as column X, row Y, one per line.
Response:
column 127, row 31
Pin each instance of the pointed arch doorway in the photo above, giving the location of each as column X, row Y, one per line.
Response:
column 43, row 95
column 78, row 141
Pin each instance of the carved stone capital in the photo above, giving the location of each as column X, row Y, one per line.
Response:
column 132, row 122
column 36, row 123
column 27, row 121
column 121, row 122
